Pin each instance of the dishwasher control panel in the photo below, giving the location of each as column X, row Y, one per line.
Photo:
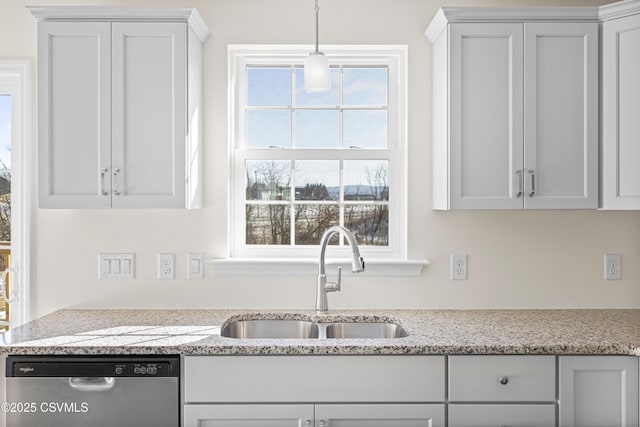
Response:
column 26, row 366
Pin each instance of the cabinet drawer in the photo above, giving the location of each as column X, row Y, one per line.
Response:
column 502, row 415
column 316, row 379
column 526, row 378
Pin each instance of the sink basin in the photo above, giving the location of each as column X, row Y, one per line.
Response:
column 270, row 329
column 365, row 330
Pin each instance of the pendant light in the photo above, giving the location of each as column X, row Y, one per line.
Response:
column 316, row 67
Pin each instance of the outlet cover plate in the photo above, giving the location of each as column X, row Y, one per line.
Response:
column 166, row 266
column 612, row 267
column 458, row 266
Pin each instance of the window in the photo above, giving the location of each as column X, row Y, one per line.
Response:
column 303, row 162
column 14, row 212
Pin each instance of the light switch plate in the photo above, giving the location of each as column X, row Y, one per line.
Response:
column 195, row 266
column 116, row 266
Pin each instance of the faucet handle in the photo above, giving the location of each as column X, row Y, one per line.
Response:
column 339, row 278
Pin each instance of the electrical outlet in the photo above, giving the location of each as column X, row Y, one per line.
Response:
column 458, row 267
column 166, row 266
column 612, row 267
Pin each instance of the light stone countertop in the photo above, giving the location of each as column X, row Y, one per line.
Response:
column 197, row 332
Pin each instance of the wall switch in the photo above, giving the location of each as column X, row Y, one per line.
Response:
column 612, row 267
column 458, row 266
column 116, row 266
column 166, row 266
column 195, row 266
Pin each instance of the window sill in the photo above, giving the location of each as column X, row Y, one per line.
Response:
column 306, row 267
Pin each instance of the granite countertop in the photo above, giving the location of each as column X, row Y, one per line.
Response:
column 197, row 332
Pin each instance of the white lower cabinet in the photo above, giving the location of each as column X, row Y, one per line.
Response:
column 314, row 391
column 303, row 415
column 490, row 391
column 492, row 415
column 598, row 391
column 248, row 415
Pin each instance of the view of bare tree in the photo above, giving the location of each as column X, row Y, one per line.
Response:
column 270, row 223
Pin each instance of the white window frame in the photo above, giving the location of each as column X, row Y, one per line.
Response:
column 15, row 80
column 269, row 258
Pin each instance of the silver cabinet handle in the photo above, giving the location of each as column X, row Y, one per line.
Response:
column 532, row 174
column 520, row 183
column 322, row 423
column 307, row 423
column 103, row 172
column 116, row 171
column 503, row 380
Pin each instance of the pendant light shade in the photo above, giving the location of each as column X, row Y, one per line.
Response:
column 316, row 73
column 316, row 67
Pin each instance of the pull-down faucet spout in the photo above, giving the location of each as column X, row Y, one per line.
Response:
column 357, row 264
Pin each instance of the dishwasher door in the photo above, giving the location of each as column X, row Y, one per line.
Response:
column 92, row 392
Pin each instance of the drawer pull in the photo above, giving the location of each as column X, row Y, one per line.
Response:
column 503, row 380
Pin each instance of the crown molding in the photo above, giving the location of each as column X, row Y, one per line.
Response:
column 123, row 14
column 619, row 9
column 448, row 15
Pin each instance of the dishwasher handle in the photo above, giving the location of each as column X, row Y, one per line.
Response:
column 92, row 383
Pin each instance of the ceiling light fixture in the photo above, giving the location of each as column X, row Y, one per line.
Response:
column 316, row 67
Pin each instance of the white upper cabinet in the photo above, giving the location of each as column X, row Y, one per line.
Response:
column 515, row 110
column 120, row 107
column 621, row 112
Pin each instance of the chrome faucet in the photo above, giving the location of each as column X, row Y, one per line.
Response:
column 357, row 263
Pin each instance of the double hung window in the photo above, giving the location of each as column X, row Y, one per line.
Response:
column 303, row 162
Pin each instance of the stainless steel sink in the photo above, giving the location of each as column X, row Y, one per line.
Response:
column 365, row 330
column 307, row 329
column 270, row 329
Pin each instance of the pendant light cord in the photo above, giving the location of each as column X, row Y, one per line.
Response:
column 317, row 26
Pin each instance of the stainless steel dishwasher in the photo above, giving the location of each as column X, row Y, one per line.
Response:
column 88, row 391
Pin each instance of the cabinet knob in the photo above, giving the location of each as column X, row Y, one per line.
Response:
column 322, row 423
column 307, row 423
column 503, row 380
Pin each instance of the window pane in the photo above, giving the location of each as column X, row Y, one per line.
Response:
column 365, row 86
column 368, row 223
column 317, row 129
column 330, row 98
column 5, row 168
column 366, row 180
column 313, row 220
column 268, row 180
column 317, row 179
column 365, row 128
column 269, row 86
column 268, row 128
column 268, row 225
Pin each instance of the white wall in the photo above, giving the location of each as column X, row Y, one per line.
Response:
column 516, row 259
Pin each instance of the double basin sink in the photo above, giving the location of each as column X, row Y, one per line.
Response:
column 308, row 329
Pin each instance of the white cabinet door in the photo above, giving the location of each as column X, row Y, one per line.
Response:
column 561, row 115
column 74, row 89
column 598, row 391
column 620, row 113
column 486, row 101
column 486, row 415
column 149, row 114
column 248, row 416
column 379, row 415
